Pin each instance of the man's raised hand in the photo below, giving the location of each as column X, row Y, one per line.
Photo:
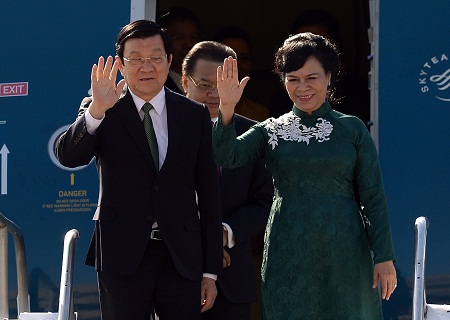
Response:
column 105, row 91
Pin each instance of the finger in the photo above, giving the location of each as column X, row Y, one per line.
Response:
column 244, row 82
column 203, row 298
column 120, row 87
column 204, row 302
column 207, row 304
column 375, row 280
column 234, row 69
column 113, row 73
column 227, row 258
column 228, row 67
column 228, row 261
column 107, row 69
column 391, row 290
column 388, row 295
column 101, row 65
column 219, row 74
column 224, row 260
column 94, row 73
column 384, row 289
column 225, row 69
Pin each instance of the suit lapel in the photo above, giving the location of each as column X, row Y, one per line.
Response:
column 129, row 116
column 174, row 125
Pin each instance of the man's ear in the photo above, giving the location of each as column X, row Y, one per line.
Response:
column 184, row 82
column 169, row 60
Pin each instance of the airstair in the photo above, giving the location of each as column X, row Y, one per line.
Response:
column 65, row 307
column 422, row 310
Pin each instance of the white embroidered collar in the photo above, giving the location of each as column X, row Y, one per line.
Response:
column 289, row 128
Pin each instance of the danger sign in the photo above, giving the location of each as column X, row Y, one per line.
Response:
column 13, row 89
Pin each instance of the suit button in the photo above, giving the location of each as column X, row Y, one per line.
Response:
column 156, row 188
column 149, row 218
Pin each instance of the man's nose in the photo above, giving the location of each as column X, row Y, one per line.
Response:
column 214, row 92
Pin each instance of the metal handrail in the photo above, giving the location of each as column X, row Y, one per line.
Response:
column 3, row 269
column 23, row 298
column 66, row 310
column 419, row 297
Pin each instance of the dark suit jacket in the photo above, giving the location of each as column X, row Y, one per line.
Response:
column 170, row 83
column 247, row 195
column 132, row 196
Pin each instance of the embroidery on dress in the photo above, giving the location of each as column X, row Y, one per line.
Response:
column 289, row 128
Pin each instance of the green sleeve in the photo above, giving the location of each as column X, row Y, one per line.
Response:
column 231, row 151
column 373, row 199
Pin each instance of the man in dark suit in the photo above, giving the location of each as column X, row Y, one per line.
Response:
column 154, row 243
column 184, row 29
column 247, row 192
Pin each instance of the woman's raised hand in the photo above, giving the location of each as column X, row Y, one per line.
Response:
column 229, row 87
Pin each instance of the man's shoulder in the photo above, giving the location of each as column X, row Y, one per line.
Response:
column 242, row 122
column 175, row 97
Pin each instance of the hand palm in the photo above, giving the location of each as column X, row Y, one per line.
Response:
column 105, row 92
column 228, row 85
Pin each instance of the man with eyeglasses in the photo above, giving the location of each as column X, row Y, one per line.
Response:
column 153, row 245
column 246, row 192
column 184, row 29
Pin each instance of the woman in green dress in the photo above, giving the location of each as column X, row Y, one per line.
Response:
column 319, row 261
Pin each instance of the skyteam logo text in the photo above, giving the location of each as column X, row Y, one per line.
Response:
column 434, row 77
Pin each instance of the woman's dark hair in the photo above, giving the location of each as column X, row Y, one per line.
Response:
column 296, row 49
column 206, row 50
column 142, row 29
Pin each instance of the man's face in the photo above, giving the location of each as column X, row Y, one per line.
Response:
column 203, row 85
column 184, row 35
column 145, row 79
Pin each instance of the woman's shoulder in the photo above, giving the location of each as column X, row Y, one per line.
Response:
column 348, row 120
column 349, row 125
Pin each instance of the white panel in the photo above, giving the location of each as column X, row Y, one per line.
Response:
column 143, row 9
column 137, row 10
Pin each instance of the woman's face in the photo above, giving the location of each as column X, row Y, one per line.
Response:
column 307, row 86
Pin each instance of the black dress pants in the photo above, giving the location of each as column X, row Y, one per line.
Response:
column 156, row 283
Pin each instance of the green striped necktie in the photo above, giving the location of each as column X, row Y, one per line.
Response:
column 151, row 136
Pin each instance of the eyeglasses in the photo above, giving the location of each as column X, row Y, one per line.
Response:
column 203, row 86
column 139, row 62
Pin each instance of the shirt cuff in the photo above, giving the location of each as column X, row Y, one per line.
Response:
column 210, row 275
column 231, row 241
column 91, row 123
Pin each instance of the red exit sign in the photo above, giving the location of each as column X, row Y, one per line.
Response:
column 13, row 89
